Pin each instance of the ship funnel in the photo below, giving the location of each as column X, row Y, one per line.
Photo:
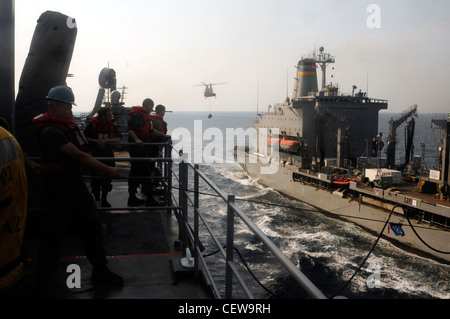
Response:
column 306, row 80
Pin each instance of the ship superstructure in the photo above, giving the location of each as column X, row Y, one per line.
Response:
column 314, row 120
column 328, row 153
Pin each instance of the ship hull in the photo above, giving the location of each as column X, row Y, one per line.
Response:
column 365, row 211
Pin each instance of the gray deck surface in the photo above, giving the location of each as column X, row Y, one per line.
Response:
column 140, row 247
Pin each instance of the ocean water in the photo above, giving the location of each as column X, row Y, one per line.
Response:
column 327, row 250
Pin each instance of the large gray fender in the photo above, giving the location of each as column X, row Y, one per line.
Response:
column 47, row 65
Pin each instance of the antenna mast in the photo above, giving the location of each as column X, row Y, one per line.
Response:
column 257, row 99
column 287, row 82
column 367, row 91
column 324, row 59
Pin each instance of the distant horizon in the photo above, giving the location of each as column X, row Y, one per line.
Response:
column 445, row 114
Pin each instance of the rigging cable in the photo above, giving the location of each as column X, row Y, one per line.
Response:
column 420, row 238
column 368, row 255
column 246, row 266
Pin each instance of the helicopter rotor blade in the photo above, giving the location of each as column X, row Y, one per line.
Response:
column 210, row 84
column 202, row 84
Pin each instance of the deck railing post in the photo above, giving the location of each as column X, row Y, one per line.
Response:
column 196, row 186
column 183, row 175
column 168, row 173
column 230, row 247
column 196, row 219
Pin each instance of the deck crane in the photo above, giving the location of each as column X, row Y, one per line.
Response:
column 393, row 126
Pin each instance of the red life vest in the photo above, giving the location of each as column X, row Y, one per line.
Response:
column 55, row 161
column 100, row 128
column 143, row 131
column 154, row 118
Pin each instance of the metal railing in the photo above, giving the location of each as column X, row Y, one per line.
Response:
column 190, row 236
column 233, row 211
column 167, row 170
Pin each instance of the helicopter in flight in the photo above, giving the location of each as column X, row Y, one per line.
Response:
column 209, row 89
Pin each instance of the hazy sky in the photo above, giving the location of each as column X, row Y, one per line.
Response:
column 161, row 49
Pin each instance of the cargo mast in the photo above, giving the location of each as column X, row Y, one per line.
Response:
column 323, row 59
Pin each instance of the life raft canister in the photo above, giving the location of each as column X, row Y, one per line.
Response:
column 289, row 145
column 344, row 181
column 273, row 140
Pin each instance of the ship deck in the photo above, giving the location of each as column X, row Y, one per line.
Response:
column 405, row 188
column 140, row 246
column 410, row 189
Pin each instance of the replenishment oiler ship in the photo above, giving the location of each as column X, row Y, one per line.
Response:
column 323, row 148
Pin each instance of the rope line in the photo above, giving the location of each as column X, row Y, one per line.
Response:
column 420, row 238
column 368, row 255
column 246, row 266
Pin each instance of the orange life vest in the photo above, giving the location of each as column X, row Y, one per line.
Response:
column 54, row 161
column 155, row 118
column 143, row 131
column 99, row 127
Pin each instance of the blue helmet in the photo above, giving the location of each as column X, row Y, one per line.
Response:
column 61, row 93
